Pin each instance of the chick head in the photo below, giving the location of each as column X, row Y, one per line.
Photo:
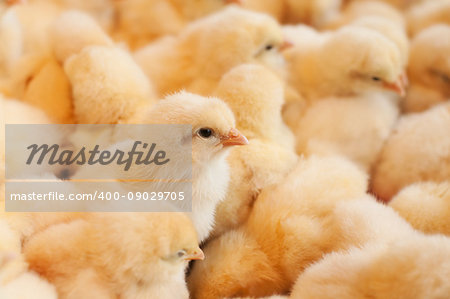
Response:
column 153, row 247
column 212, row 121
column 358, row 59
column 429, row 63
column 255, row 95
column 231, row 37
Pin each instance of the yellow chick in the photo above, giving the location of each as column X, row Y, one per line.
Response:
column 426, row 206
column 427, row 13
column 389, row 29
column 290, row 226
column 213, row 134
column 329, row 64
column 429, row 69
column 414, row 266
column 255, row 95
column 204, row 51
column 313, row 12
column 72, row 31
column 110, row 255
column 141, row 21
column 368, row 8
column 107, row 85
column 28, row 285
column 354, row 127
column 418, row 150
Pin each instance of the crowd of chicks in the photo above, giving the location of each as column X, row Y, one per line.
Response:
column 341, row 188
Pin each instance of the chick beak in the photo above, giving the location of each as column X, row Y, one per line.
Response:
column 234, row 137
column 285, row 45
column 238, row 2
column 195, row 255
column 398, row 86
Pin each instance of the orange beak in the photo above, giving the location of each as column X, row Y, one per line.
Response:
column 238, row 2
column 196, row 255
column 398, row 86
column 285, row 45
column 233, row 138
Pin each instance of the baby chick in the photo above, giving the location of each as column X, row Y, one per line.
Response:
column 368, row 8
column 72, row 31
column 290, row 226
column 426, row 206
column 418, row 150
column 28, row 285
column 213, row 134
column 109, row 255
column 141, row 21
column 328, row 127
column 205, row 50
column 429, row 69
column 328, row 64
column 255, row 95
column 427, row 13
column 107, row 85
column 415, row 266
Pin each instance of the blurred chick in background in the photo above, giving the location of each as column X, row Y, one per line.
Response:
column 427, row 13
column 429, row 69
column 328, row 127
column 426, row 206
column 418, row 150
column 416, row 266
column 204, row 51
column 213, row 134
column 255, row 95
column 290, row 226
column 368, row 8
column 88, row 55
column 141, row 21
column 109, row 255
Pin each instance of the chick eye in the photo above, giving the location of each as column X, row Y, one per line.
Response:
column 269, row 47
column 181, row 253
column 205, row 132
column 376, row 78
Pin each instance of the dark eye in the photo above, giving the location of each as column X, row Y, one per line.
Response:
column 376, row 78
column 269, row 47
column 181, row 253
column 205, row 132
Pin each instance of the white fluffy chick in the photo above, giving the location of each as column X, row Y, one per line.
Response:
column 349, row 61
column 255, row 95
column 414, row 266
column 426, row 206
column 354, row 127
column 213, row 133
column 429, row 69
column 418, row 150
column 427, row 13
column 204, row 51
